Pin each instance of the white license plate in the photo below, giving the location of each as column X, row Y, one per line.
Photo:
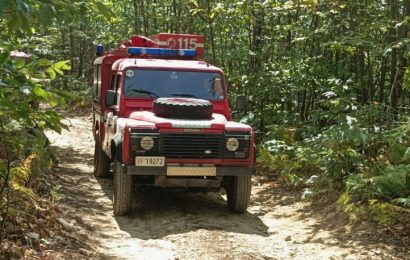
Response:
column 191, row 171
column 150, row 161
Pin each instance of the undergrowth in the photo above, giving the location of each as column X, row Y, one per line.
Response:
column 28, row 209
column 364, row 167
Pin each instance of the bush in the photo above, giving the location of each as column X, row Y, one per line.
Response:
column 356, row 163
column 23, row 153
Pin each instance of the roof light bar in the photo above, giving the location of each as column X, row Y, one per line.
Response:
column 161, row 52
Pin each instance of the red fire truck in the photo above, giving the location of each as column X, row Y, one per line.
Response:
column 162, row 116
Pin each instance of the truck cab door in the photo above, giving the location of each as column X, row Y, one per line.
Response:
column 110, row 117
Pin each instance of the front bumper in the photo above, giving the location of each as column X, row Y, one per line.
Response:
column 162, row 171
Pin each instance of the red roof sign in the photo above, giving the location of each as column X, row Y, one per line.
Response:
column 180, row 41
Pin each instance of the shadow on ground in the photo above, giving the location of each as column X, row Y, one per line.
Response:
column 156, row 212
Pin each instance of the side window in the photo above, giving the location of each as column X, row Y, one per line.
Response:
column 118, row 81
column 117, row 87
column 97, row 81
column 113, row 82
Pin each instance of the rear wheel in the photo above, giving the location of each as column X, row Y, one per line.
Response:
column 101, row 160
column 122, row 190
column 238, row 191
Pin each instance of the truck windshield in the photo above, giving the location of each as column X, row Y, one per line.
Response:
column 160, row 83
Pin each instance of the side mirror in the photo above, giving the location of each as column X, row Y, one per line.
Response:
column 110, row 97
column 240, row 103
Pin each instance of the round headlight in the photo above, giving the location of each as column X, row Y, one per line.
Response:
column 232, row 144
column 147, row 143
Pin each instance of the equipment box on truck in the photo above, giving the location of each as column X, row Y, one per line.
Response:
column 161, row 115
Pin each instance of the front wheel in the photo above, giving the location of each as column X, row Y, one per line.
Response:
column 101, row 160
column 122, row 190
column 238, row 192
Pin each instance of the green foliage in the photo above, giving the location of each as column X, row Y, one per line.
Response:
column 21, row 91
column 360, row 163
column 25, row 85
column 405, row 202
column 386, row 182
column 380, row 212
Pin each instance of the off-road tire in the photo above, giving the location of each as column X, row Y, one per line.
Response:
column 122, row 199
column 238, row 192
column 101, row 160
column 182, row 108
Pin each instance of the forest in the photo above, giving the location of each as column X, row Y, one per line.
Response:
column 327, row 85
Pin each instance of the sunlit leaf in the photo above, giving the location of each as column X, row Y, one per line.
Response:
column 51, row 73
column 44, row 62
column 41, row 92
column 104, row 10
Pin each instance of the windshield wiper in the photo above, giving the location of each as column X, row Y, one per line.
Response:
column 184, row 95
column 141, row 91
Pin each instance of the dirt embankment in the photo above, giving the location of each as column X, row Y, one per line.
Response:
column 181, row 225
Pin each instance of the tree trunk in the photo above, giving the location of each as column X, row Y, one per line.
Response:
column 137, row 28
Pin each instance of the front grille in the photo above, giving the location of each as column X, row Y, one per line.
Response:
column 191, row 146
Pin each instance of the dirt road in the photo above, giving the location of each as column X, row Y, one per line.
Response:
column 181, row 225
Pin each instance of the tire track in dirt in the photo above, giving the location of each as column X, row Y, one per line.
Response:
column 180, row 225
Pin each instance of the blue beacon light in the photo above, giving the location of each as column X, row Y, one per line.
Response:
column 100, row 50
column 161, row 52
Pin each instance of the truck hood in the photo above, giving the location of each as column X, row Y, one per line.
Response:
column 217, row 121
